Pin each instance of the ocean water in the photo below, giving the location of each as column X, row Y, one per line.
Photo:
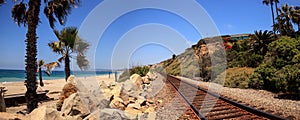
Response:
column 19, row 75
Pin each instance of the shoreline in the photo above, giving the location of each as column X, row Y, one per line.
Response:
column 7, row 76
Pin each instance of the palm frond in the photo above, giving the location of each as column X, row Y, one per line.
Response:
column 19, row 13
column 56, row 47
column 82, row 62
column 41, row 63
column 61, row 59
column 51, row 66
column 69, row 35
column 2, row 2
column 69, row 42
column 57, row 34
column 266, row 2
column 60, row 9
column 81, row 46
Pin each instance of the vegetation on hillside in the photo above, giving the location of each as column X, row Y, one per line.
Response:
column 139, row 69
column 268, row 60
column 237, row 77
column 280, row 69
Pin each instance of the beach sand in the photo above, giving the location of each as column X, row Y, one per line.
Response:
column 54, row 87
column 51, row 85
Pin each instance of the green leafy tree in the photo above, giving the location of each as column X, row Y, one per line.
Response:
column 279, row 71
column 69, row 42
column 28, row 13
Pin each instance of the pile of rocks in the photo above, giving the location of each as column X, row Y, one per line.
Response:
column 92, row 101
column 132, row 96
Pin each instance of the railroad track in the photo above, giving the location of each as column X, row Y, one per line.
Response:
column 208, row 105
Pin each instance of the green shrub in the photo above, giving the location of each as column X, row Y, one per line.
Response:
column 280, row 70
column 235, row 77
column 254, row 60
column 141, row 70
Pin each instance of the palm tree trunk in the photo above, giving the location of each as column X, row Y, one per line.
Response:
column 31, row 53
column 41, row 76
column 2, row 102
column 277, row 14
column 273, row 18
column 276, row 7
column 67, row 66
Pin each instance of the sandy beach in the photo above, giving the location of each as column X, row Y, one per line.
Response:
column 51, row 85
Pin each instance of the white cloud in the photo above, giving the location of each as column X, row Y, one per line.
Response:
column 229, row 26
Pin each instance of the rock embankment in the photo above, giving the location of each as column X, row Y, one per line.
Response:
column 89, row 100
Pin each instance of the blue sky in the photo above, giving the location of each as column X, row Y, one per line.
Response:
column 161, row 30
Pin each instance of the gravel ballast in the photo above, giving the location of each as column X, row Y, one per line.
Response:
column 260, row 99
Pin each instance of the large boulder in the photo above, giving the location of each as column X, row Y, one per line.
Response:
column 146, row 80
column 68, row 89
column 113, row 114
column 151, row 76
column 71, row 79
column 135, row 105
column 117, row 103
column 137, row 80
column 116, row 90
column 91, row 93
column 141, row 100
column 45, row 113
column 106, row 91
column 12, row 116
column 150, row 109
column 74, row 106
column 147, row 116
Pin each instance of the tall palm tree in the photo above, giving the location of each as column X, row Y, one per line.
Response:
column 295, row 16
column 284, row 19
column 28, row 14
column 270, row 2
column 69, row 42
column 277, row 14
column 276, row 6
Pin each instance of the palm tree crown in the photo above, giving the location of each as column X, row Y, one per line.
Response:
column 287, row 15
column 295, row 16
column 69, row 42
column 261, row 41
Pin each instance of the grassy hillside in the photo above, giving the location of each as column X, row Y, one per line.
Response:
column 260, row 61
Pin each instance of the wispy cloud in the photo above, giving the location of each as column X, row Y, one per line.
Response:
column 229, row 26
